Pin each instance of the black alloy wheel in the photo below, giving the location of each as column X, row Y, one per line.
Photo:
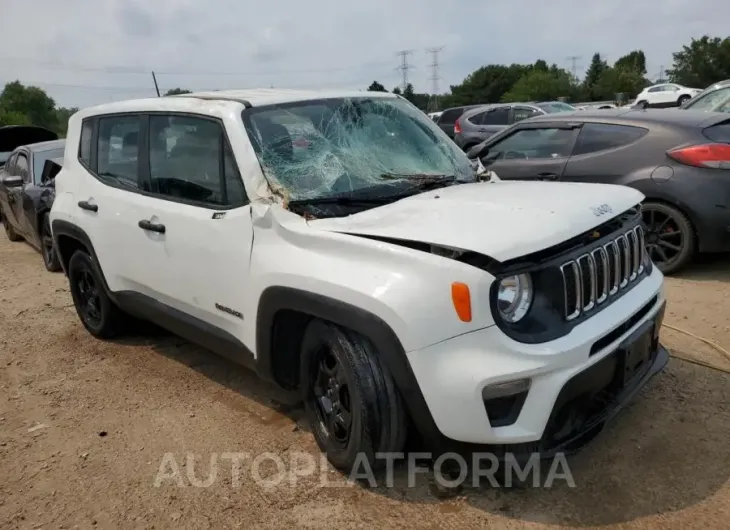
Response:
column 350, row 399
column 670, row 238
column 332, row 397
column 98, row 313
column 89, row 299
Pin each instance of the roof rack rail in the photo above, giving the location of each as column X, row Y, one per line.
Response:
column 210, row 97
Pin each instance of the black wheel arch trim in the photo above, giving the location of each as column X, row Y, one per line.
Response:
column 277, row 298
column 64, row 228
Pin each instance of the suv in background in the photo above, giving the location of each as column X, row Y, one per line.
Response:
column 449, row 116
column 287, row 231
column 478, row 124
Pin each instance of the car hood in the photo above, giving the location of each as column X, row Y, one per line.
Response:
column 503, row 220
column 12, row 136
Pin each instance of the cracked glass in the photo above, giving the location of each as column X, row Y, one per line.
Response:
column 369, row 146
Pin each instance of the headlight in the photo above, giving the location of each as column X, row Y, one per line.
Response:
column 514, row 297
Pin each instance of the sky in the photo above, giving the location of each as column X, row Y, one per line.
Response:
column 85, row 52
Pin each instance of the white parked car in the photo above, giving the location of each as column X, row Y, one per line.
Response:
column 665, row 95
column 342, row 246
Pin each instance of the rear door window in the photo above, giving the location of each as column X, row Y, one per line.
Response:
column 496, row 117
column 602, row 136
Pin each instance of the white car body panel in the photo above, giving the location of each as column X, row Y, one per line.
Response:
column 502, row 220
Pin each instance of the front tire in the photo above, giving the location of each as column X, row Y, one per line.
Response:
column 99, row 315
column 350, row 399
column 670, row 237
column 48, row 248
column 642, row 105
column 10, row 231
column 683, row 99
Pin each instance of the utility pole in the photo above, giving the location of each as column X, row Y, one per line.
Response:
column 574, row 64
column 433, row 104
column 157, row 88
column 404, row 66
column 661, row 74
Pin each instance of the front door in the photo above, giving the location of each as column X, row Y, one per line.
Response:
column 533, row 152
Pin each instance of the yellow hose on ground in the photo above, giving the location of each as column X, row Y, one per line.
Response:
column 714, row 345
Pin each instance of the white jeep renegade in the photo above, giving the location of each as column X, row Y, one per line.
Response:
column 342, row 246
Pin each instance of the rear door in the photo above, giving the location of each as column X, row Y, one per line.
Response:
column 8, row 170
column 604, row 153
column 494, row 120
column 533, row 151
column 22, row 169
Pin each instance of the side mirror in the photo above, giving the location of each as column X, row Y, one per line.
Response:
column 478, row 151
column 12, row 182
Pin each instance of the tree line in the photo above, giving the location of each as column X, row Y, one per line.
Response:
column 698, row 64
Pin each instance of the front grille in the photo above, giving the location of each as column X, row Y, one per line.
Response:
column 591, row 279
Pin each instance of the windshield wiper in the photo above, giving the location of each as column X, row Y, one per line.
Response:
column 340, row 200
column 417, row 176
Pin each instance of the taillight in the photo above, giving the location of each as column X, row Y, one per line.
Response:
column 715, row 156
column 457, row 127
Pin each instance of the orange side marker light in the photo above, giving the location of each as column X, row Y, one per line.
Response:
column 461, row 298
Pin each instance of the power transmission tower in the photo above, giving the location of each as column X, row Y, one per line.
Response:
column 574, row 64
column 404, row 66
column 433, row 104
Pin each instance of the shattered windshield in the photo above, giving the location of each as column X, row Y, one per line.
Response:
column 356, row 146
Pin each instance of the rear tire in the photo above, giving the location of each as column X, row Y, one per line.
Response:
column 10, row 231
column 683, row 99
column 48, row 248
column 670, row 237
column 342, row 378
column 99, row 315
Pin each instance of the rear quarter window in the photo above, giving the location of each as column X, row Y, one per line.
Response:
column 718, row 133
column 595, row 137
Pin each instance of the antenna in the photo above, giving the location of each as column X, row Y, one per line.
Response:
column 157, row 88
column 404, row 66
column 433, row 103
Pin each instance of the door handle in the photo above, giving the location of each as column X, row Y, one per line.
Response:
column 144, row 224
column 85, row 205
column 547, row 176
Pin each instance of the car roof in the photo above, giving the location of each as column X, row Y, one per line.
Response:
column 678, row 117
column 46, row 146
column 223, row 99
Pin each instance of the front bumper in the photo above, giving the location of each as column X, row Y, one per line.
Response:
column 573, row 391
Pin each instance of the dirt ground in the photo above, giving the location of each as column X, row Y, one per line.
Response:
column 85, row 425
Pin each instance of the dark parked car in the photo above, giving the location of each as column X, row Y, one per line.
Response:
column 715, row 98
column 27, row 194
column 679, row 159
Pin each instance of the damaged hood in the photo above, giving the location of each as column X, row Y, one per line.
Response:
column 503, row 220
column 12, row 136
